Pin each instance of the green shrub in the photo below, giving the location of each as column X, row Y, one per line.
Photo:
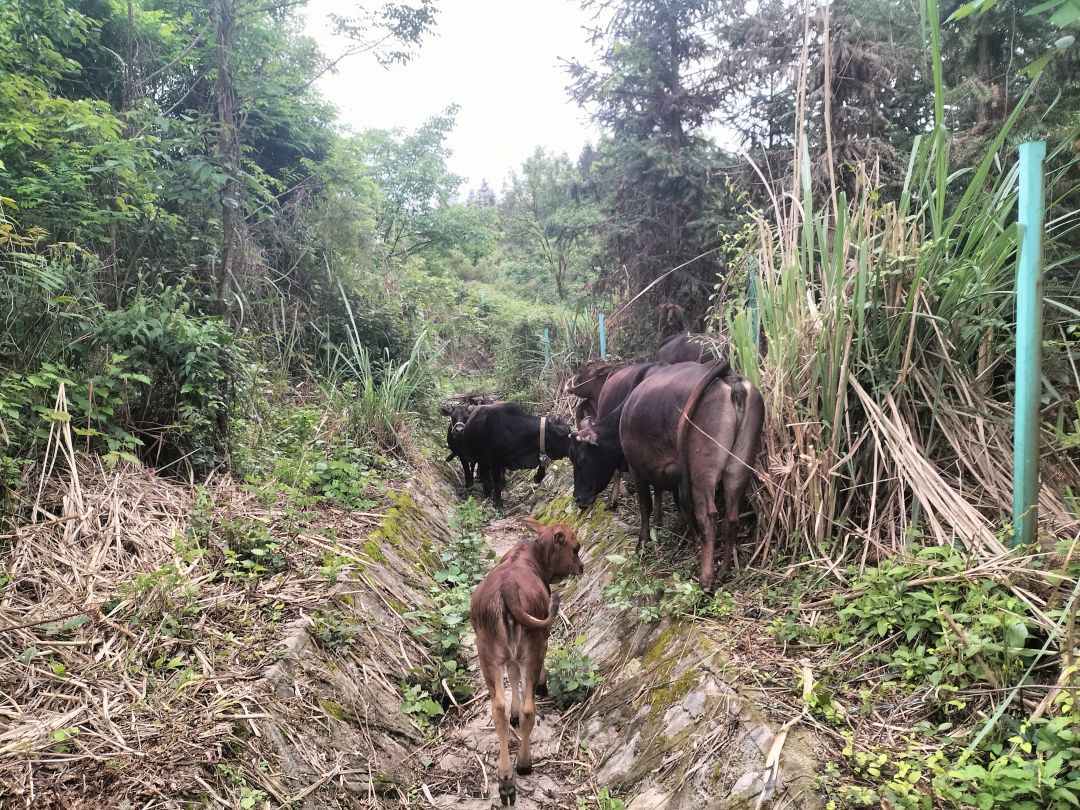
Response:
column 572, row 675
column 954, row 634
column 443, row 626
column 190, row 361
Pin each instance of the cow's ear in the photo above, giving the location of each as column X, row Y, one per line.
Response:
column 471, row 407
column 586, row 423
column 560, row 536
column 587, row 436
column 535, row 525
column 445, row 410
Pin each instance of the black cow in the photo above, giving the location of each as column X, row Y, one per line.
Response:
column 689, row 428
column 504, row 436
column 455, row 434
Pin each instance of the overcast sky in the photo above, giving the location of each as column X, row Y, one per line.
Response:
column 497, row 59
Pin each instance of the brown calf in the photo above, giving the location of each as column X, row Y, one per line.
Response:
column 505, row 611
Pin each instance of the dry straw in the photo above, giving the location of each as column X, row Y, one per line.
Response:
column 131, row 669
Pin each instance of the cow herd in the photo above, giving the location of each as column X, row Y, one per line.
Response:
column 685, row 424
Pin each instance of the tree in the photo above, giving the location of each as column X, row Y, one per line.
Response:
column 414, row 212
column 656, row 86
column 543, row 213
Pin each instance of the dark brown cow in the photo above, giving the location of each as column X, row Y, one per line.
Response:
column 692, row 347
column 694, row 429
column 620, row 382
column 512, row 611
column 587, row 384
column 687, row 428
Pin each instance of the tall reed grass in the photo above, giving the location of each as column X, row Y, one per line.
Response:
column 889, row 327
column 378, row 393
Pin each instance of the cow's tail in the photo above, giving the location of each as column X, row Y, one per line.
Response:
column 719, row 369
column 531, row 622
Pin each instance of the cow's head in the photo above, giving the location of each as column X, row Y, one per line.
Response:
column 459, row 416
column 590, row 378
column 595, row 456
column 557, row 439
column 560, row 551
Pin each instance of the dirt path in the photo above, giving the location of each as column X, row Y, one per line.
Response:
column 468, row 750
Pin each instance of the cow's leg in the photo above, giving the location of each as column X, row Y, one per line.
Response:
column 498, row 481
column 729, row 528
column 513, row 674
column 500, row 718
column 704, row 500
column 658, row 507
column 483, row 469
column 644, row 497
column 541, row 688
column 616, row 489
column 531, row 668
column 541, row 471
column 467, row 469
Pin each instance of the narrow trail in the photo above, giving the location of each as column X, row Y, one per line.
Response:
column 675, row 724
column 469, row 747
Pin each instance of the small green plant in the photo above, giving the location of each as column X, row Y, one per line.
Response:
column 418, row 704
column 346, row 478
column 572, row 675
column 821, row 703
column 250, row 549
column 602, row 801
column 444, row 624
column 60, row 737
column 334, row 565
column 249, row 797
column 333, row 632
column 636, row 588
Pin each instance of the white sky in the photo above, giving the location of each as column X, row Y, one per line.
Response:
column 497, row 59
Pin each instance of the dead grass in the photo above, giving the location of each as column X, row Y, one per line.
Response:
column 134, row 673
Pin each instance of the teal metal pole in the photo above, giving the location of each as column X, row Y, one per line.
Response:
column 603, row 337
column 751, row 299
column 547, row 346
column 1029, row 299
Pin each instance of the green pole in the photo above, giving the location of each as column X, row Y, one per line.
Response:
column 547, row 346
column 752, row 300
column 1029, row 297
column 603, row 337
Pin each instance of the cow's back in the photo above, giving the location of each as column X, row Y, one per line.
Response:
column 620, row 384
column 691, row 348
column 650, row 418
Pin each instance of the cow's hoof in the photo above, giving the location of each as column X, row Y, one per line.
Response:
column 524, row 770
column 507, row 790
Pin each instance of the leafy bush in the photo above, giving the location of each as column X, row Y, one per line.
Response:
column 950, row 629
column 190, row 360
column 443, row 626
column 572, row 675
